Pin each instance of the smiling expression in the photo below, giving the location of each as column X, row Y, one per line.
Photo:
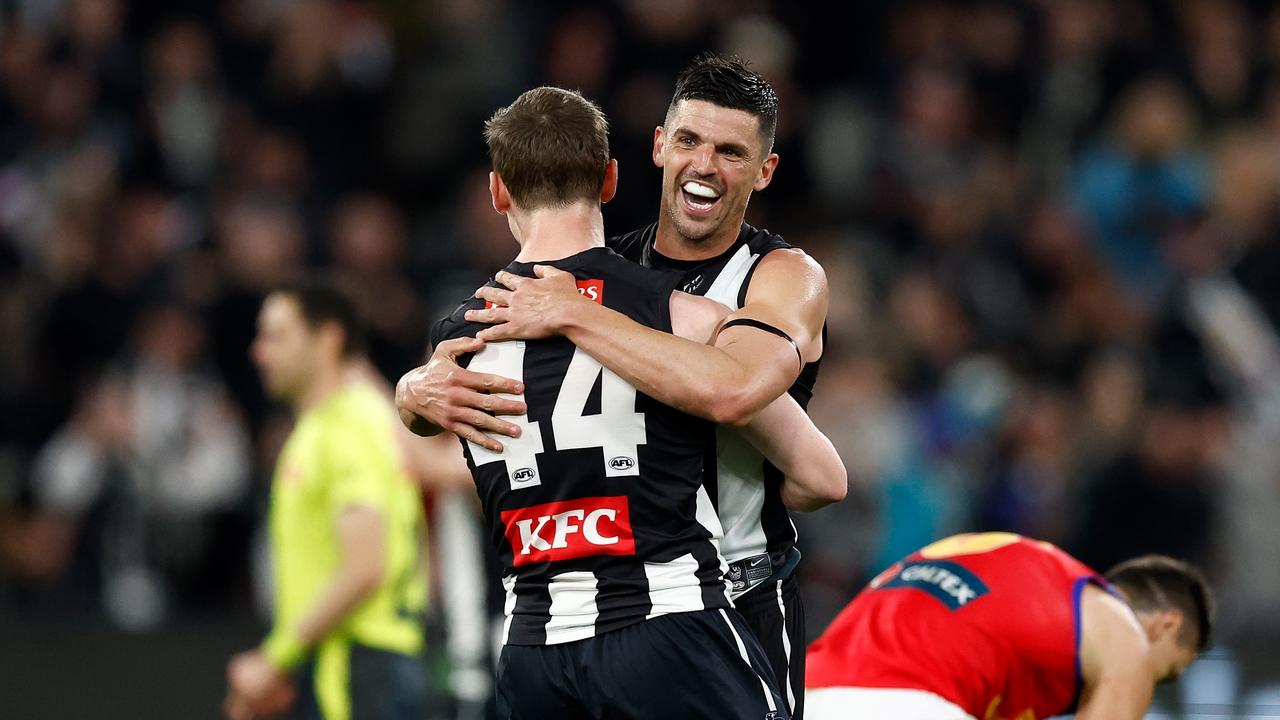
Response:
column 712, row 159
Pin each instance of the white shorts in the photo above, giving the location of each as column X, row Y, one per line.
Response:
column 856, row 703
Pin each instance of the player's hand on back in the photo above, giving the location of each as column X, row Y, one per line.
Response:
column 444, row 395
column 527, row 308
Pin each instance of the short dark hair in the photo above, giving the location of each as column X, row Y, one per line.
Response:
column 321, row 301
column 724, row 80
column 1157, row 582
column 550, row 147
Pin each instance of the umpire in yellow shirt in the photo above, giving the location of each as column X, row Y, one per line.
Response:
column 346, row 532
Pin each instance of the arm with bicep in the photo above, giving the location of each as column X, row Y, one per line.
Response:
column 727, row 382
column 814, row 476
column 1114, row 660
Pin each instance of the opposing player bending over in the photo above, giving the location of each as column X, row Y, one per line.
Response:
column 997, row 626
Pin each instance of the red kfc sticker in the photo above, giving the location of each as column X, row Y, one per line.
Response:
column 592, row 290
column 570, row 529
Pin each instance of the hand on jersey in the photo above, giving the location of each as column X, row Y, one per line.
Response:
column 526, row 308
column 448, row 396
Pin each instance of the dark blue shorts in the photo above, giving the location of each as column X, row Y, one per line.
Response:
column 377, row 685
column 704, row 664
column 775, row 615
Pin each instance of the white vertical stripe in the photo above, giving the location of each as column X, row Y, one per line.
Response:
column 573, row 606
column 740, row 487
column 509, row 607
column 724, row 289
column 786, row 650
column 707, row 517
column 674, row 586
column 742, row 650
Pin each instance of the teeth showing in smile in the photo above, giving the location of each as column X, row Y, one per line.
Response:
column 701, row 191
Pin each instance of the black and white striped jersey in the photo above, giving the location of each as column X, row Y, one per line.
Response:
column 758, row 533
column 598, row 510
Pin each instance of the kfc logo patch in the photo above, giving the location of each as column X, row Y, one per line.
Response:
column 592, row 290
column 569, row 529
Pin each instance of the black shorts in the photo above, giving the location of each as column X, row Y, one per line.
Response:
column 775, row 615
column 374, row 685
column 703, row 664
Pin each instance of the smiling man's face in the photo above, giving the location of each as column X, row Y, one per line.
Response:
column 712, row 159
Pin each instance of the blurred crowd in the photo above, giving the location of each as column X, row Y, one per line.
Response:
column 1050, row 228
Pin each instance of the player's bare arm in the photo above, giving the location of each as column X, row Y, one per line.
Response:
column 1114, row 660
column 746, row 369
column 442, row 395
column 814, row 476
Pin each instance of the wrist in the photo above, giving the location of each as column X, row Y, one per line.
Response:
column 284, row 649
column 572, row 316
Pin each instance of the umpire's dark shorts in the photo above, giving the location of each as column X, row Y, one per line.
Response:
column 366, row 684
column 703, row 664
column 775, row 615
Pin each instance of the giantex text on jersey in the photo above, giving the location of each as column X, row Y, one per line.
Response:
column 987, row 621
column 597, row 510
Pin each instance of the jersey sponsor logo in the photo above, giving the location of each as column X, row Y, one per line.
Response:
column 951, row 583
column 592, row 290
column 569, row 529
column 622, row 462
column 693, row 285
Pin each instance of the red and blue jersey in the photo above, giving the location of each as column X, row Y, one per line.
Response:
column 988, row 621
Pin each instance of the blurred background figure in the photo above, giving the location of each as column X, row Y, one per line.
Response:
column 145, row 477
column 1051, row 229
column 348, row 570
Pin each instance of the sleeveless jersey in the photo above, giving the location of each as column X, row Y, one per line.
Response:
column 758, row 533
column 597, row 511
column 988, row 621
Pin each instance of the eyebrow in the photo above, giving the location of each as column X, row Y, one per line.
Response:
column 736, row 147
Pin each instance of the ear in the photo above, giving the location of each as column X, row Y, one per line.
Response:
column 609, row 187
column 499, row 194
column 332, row 337
column 657, row 146
column 766, row 172
column 1166, row 622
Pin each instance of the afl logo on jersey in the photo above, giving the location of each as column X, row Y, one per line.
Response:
column 622, row 462
column 523, row 475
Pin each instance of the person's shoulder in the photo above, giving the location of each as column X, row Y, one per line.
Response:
column 455, row 324
column 762, row 240
column 356, row 404
column 612, row 266
column 788, row 266
column 631, row 245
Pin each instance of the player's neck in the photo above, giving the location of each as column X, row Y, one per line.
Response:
column 556, row 233
column 326, row 382
column 670, row 243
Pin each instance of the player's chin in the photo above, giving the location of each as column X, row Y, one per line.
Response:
column 697, row 227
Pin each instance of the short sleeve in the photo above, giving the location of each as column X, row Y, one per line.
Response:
column 361, row 468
